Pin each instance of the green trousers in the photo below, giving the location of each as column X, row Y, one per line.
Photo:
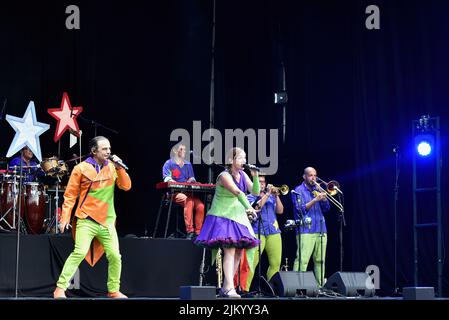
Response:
column 86, row 230
column 311, row 246
column 272, row 245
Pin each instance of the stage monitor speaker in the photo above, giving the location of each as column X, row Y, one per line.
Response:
column 350, row 284
column 292, row 283
column 418, row 293
column 197, row 293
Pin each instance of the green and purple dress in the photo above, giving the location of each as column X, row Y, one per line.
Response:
column 227, row 224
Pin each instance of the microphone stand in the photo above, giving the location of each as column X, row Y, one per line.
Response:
column 258, row 292
column 96, row 125
column 19, row 198
column 301, row 223
column 57, row 203
column 2, row 113
column 396, row 194
column 321, row 243
column 341, row 199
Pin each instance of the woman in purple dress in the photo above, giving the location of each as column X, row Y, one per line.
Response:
column 228, row 222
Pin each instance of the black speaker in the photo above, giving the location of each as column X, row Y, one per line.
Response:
column 197, row 293
column 292, row 283
column 418, row 293
column 351, row 284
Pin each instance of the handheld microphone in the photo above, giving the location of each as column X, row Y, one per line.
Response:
column 252, row 218
column 119, row 162
column 251, row 167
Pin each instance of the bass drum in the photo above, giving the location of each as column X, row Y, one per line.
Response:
column 35, row 197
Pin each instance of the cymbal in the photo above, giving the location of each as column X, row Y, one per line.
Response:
column 77, row 158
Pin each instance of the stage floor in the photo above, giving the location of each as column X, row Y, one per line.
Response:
column 153, row 270
column 150, row 267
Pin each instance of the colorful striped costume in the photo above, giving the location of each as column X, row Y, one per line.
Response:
column 95, row 218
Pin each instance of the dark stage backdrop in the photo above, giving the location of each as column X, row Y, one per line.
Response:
column 143, row 68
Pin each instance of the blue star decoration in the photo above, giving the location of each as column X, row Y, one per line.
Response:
column 28, row 131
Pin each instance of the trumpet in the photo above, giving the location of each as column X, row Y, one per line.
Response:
column 332, row 188
column 284, row 189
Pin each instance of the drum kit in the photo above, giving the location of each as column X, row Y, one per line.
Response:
column 34, row 199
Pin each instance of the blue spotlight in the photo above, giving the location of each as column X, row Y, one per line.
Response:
column 424, row 148
column 424, row 144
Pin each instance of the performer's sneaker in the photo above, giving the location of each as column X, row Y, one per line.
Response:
column 59, row 293
column 116, row 295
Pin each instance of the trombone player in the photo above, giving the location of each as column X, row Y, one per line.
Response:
column 309, row 204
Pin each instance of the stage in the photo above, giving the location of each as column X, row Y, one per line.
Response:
column 151, row 268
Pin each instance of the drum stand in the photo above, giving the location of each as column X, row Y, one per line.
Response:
column 13, row 209
column 54, row 219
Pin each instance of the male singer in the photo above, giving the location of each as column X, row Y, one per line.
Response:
column 94, row 181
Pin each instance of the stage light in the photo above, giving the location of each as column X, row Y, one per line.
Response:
column 424, row 129
column 427, row 195
column 424, row 144
column 424, row 148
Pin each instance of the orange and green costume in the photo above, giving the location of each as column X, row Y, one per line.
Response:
column 94, row 222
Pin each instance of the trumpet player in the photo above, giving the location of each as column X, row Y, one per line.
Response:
column 309, row 204
column 266, row 228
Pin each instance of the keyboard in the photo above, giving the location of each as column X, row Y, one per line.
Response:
column 174, row 186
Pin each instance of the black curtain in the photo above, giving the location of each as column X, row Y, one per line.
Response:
column 143, row 69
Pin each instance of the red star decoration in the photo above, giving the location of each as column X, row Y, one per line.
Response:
column 66, row 116
column 176, row 173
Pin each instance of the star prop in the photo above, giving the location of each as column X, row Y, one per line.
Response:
column 66, row 116
column 74, row 137
column 28, row 131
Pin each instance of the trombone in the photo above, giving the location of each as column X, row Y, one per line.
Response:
column 332, row 188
